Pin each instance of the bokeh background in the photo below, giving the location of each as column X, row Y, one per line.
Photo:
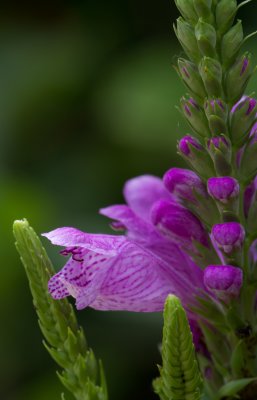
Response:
column 87, row 100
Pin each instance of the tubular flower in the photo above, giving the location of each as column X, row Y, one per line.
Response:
column 135, row 271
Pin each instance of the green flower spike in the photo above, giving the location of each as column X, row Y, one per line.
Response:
column 180, row 377
column 82, row 374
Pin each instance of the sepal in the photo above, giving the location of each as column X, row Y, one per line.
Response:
column 225, row 15
column 187, row 10
column 231, row 44
column 216, row 112
column 242, row 118
column 211, row 73
column 189, row 74
column 248, row 164
column 232, row 388
column 219, row 148
column 186, row 36
column 203, row 9
column 195, row 116
column 206, row 38
column 196, row 156
column 237, row 77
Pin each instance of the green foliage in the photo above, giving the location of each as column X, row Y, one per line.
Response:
column 180, row 378
column 65, row 341
column 233, row 387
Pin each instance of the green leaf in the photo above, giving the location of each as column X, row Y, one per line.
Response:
column 180, row 376
column 65, row 341
column 233, row 387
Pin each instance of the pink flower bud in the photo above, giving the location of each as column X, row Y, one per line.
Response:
column 186, row 142
column 178, row 223
column 223, row 188
column 224, row 281
column 183, row 182
column 229, row 236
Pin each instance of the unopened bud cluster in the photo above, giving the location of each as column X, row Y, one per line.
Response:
column 221, row 147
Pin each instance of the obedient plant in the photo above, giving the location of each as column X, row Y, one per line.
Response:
column 190, row 236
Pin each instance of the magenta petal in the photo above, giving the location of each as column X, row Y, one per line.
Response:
column 137, row 228
column 228, row 236
column 70, row 237
column 179, row 224
column 223, row 188
column 133, row 280
column 224, row 280
column 183, row 183
column 140, row 193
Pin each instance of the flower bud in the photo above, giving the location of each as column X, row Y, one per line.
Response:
column 211, row 73
column 185, row 144
column 206, row 38
column 187, row 10
column 223, row 189
column 184, row 183
column 216, row 112
column 231, row 43
column 219, row 149
column 237, row 77
column 196, row 156
column 186, row 36
column 190, row 76
column 225, row 14
column 242, row 118
column 195, row 116
column 225, row 281
column 229, row 236
column 191, row 191
column 179, row 224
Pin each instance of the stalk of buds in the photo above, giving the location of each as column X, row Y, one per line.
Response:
column 223, row 156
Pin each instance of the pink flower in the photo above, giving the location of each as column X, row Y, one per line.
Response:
column 135, row 271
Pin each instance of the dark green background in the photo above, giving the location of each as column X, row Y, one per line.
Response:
column 87, row 100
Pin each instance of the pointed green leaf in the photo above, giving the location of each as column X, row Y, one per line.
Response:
column 66, row 341
column 180, row 377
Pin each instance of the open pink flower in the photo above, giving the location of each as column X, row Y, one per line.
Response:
column 135, row 271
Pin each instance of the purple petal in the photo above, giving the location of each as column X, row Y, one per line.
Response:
column 141, row 192
column 217, row 141
column 229, row 236
column 224, row 280
column 179, row 224
column 137, row 228
column 185, row 142
column 183, row 182
column 147, row 235
column 133, row 280
column 223, row 188
column 71, row 237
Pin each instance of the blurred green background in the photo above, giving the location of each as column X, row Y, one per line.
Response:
column 87, row 100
